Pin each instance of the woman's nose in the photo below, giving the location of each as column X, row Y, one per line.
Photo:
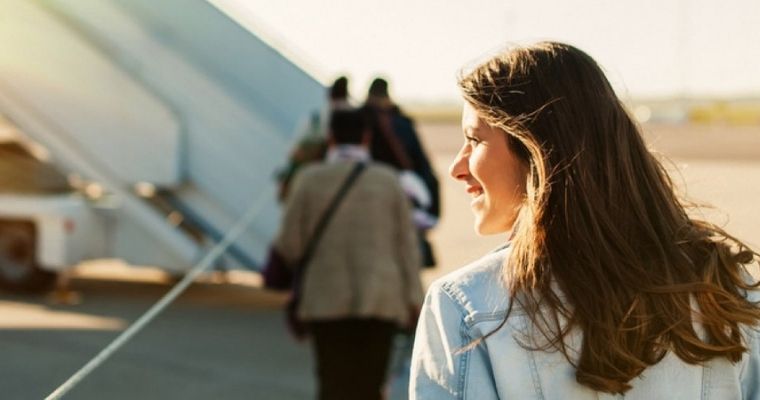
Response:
column 458, row 168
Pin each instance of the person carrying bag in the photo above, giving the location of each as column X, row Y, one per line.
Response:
column 297, row 326
column 357, row 276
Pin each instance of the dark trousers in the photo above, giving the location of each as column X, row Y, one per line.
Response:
column 352, row 357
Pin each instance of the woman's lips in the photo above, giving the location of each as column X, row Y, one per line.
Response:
column 474, row 191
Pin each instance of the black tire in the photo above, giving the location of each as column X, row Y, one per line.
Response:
column 19, row 270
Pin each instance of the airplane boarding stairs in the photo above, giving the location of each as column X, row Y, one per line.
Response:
column 175, row 94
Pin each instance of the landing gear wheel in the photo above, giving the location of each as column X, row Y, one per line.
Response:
column 18, row 268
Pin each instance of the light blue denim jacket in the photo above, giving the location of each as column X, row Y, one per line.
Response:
column 472, row 301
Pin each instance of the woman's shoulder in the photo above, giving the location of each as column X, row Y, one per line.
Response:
column 478, row 288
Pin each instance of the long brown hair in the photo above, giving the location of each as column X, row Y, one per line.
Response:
column 602, row 222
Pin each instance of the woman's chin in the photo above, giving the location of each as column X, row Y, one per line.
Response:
column 483, row 228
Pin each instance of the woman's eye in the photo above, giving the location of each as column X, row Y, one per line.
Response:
column 471, row 140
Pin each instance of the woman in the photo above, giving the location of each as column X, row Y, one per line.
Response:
column 606, row 286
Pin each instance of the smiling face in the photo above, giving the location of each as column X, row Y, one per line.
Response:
column 492, row 173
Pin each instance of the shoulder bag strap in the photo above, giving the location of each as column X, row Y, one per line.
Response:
column 322, row 224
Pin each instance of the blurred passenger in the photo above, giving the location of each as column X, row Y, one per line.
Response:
column 363, row 280
column 606, row 286
column 395, row 142
column 313, row 145
column 339, row 95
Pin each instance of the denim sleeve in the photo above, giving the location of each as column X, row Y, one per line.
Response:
column 751, row 372
column 437, row 368
column 750, row 375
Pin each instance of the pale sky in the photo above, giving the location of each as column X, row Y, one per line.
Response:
column 649, row 48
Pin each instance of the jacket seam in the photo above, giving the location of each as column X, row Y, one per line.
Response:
column 752, row 334
column 471, row 317
column 705, row 381
column 464, row 363
column 456, row 295
column 468, row 321
column 465, row 356
column 534, row 375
